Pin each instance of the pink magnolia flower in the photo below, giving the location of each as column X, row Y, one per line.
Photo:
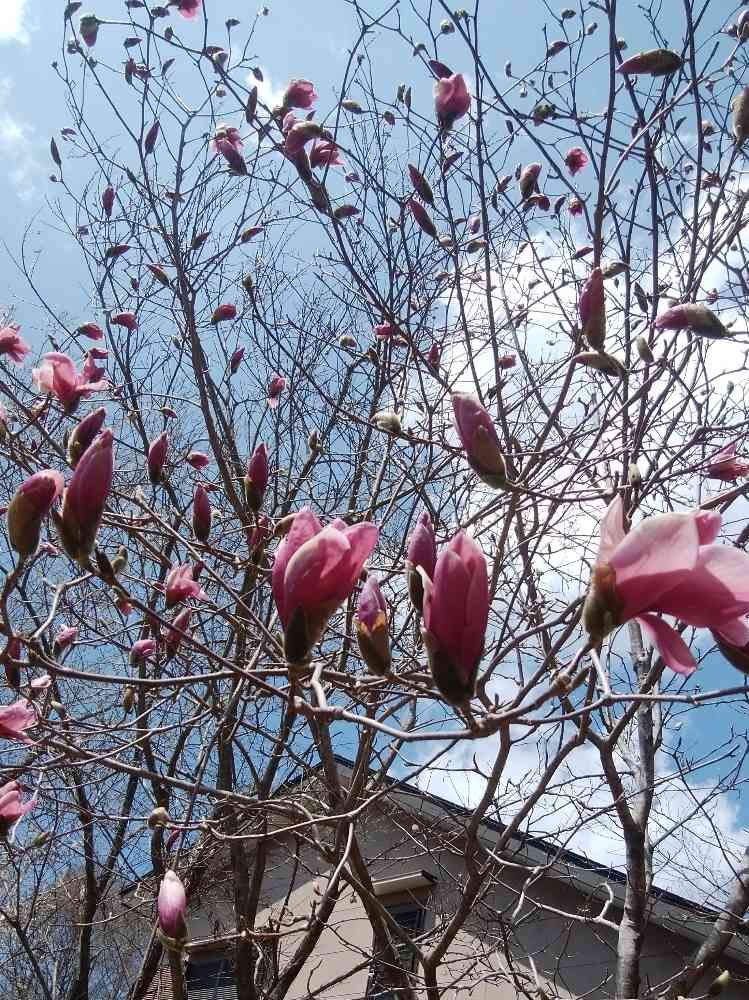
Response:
column 224, row 312
column 85, row 497
column 91, row 372
column 289, row 121
column 177, row 631
column 157, row 452
column 107, row 200
column 15, row 719
column 12, row 344
column 528, row 180
column 91, row 330
column 142, row 649
column 656, row 62
column 89, row 28
column 236, row 360
column 592, row 309
column 84, row 433
column 299, row 135
column 451, row 100
column 386, row 331
column 30, row 505
column 421, row 555
column 180, row 586
column 64, row 638
column 434, row 356
column 726, row 467
column 694, row 316
column 423, row 218
column 372, row 628
column 202, row 514
column 299, row 94
column 227, row 133
column 197, row 459
column 575, row 206
column 57, row 375
column 127, row 319
column 507, row 361
column 576, row 159
column 456, row 613
column 668, row 564
column 232, row 155
column 325, row 154
column 314, row 572
column 11, row 806
column 172, row 906
column 275, row 387
column 256, row 478
column 478, row 436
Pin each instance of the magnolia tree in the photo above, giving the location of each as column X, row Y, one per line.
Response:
column 376, row 381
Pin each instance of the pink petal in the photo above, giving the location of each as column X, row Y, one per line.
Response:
column 736, row 632
column 716, row 592
column 671, row 647
column 612, row 529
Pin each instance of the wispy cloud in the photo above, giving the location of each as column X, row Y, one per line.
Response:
column 14, row 21
column 17, row 147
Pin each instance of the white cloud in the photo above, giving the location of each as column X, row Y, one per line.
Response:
column 17, row 147
column 14, row 21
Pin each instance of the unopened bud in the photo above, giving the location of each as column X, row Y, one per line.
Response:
column 634, row 475
column 159, row 817
column 347, row 341
column 388, row 420
column 128, row 699
column 59, row 708
column 643, row 349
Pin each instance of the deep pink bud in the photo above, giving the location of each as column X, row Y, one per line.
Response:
column 201, row 514
column 575, row 206
column 656, row 62
column 91, row 330
column 232, row 156
column 85, row 497
column 157, row 452
column 372, row 628
column 434, row 356
column 180, row 586
column 507, row 361
column 107, row 200
column 11, row 806
column 420, row 555
column 693, row 316
column 439, row 69
column 299, row 94
column 64, row 638
column 15, row 719
column 12, row 344
column 177, row 631
column 592, row 309
column 89, row 28
column 224, row 312
column 314, row 572
column 143, row 649
column 726, row 467
column 84, row 433
column 451, row 100
column 28, row 508
column 151, row 136
column 668, row 564
column 386, row 331
column 127, row 319
column 478, row 436
column 256, row 479
column 576, row 159
column 172, row 907
column 275, row 387
column 422, row 217
column 456, row 613
column 197, row 459
column 236, row 360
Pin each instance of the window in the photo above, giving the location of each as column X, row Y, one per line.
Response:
column 210, row 977
column 410, row 916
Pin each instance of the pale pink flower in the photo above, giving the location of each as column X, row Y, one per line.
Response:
column 576, row 159
column 452, row 100
column 12, row 344
column 726, row 467
column 11, row 806
column 57, row 375
column 180, row 586
column 275, row 387
column 15, row 719
column 172, row 906
column 299, row 94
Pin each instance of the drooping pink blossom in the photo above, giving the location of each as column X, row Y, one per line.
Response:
column 232, row 155
column 456, row 613
column 107, row 200
column 276, row 386
column 15, row 719
column 372, row 627
column 11, row 806
column 479, row 438
column 64, row 638
column 325, row 154
column 227, row 133
column 84, row 433
column 725, row 466
column 314, row 572
column 576, row 159
column 142, row 649
column 172, row 906
column 224, row 312
column 452, row 100
column 127, row 319
column 299, row 94
column 177, row 631
column 256, row 478
column 180, row 586
column 30, row 505
column 236, row 360
column 157, row 452
column 91, row 330
column 12, row 344
column 198, row 459
column 91, row 371
column 57, row 375
column 88, row 27
column 85, row 497
column 299, row 135
column 575, row 206
column 668, row 565
column 592, row 310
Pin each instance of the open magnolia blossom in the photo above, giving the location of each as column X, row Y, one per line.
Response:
column 726, row 466
column 668, row 565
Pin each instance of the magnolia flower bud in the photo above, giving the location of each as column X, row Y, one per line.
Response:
column 478, row 436
column 740, row 113
column 29, row 507
column 643, row 349
column 128, row 699
column 172, row 906
column 256, row 478
column 656, row 62
column 372, row 628
column 388, row 420
column 634, row 475
column 601, row 362
column 159, row 817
